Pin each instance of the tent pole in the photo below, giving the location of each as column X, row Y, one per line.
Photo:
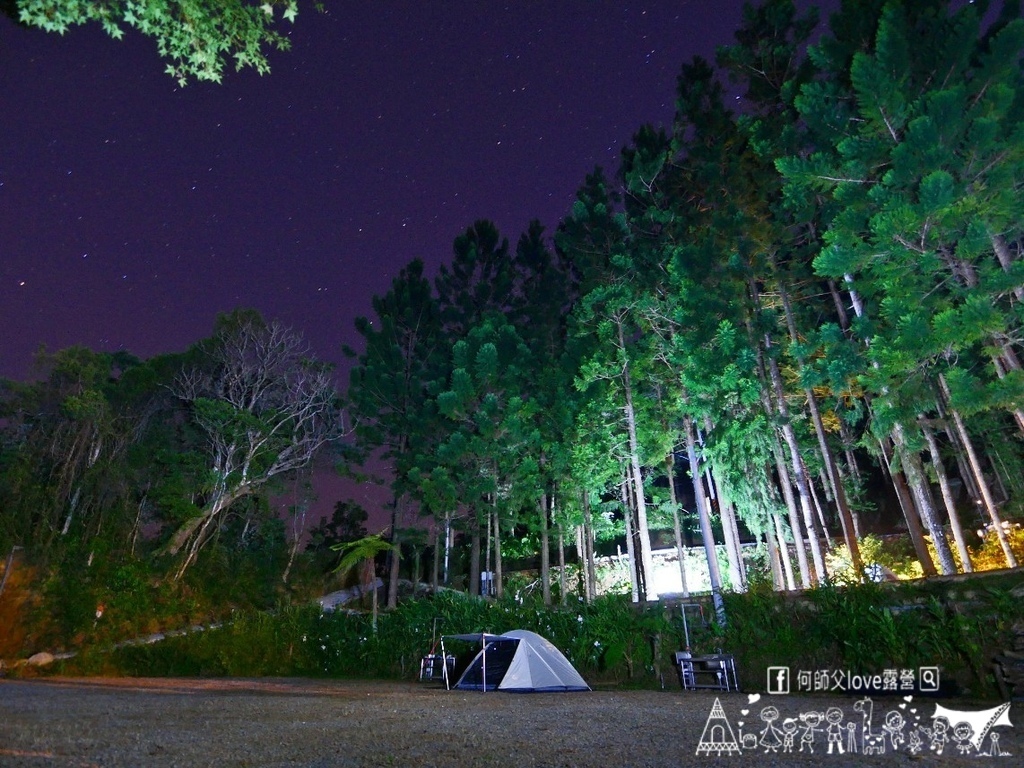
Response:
column 444, row 666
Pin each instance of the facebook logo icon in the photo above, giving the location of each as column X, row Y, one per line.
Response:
column 778, row 679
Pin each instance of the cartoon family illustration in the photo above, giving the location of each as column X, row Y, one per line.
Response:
column 902, row 728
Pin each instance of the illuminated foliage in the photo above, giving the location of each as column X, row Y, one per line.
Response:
column 196, row 37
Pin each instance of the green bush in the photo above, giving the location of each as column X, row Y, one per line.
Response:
column 866, row 629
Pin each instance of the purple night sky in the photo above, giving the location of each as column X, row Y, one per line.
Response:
column 133, row 211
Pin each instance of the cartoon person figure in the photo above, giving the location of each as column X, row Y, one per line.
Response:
column 788, row 734
column 812, row 722
column 962, row 734
column 894, row 723
column 938, row 735
column 770, row 735
column 834, row 717
column 851, row 737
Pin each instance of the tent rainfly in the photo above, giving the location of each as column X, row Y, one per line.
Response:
column 520, row 661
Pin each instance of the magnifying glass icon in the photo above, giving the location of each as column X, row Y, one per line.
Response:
column 929, row 678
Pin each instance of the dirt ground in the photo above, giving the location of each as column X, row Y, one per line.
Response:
column 175, row 722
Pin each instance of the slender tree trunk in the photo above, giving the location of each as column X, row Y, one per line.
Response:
column 448, row 543
column 585, row 553
column 911, row 462
column 487, row 544
column 630, row 548
column 395, row 554
column 298, row 526
column 474, row 554
column 704, row 517
column 947, row 497
column 578, row 536
column 910, row 514
column 589, row 545
column 930, row 516
column 797, row 465
column 831, row 471
column 545, row 551
column 498, row 576
column 787, row 565
column 562, row 596
column 851, row 461
column 785, row 484
column 979, row 478
column 796, row 527
column 917, row 504
column 819, row 510
column 435, row 574
column 778, row 579
column 677, row 528
column 731, row 533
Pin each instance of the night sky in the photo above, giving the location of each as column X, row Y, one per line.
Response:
column 133, row 211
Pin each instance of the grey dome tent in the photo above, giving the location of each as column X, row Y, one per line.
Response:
column 520, row 661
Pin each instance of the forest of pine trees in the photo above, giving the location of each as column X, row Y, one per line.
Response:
column 784, row 312
column 792, row 318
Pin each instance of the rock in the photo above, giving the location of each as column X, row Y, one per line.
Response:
column 41, row 659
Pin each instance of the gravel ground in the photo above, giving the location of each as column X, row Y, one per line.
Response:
column 174, row 722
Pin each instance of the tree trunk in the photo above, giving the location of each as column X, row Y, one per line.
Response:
column 590, row 568
column 474, row 555
column 448, row 542
column 947, row 497
column 796, row 528
column 704, row 517
column 435, row 573
column 979, row 478
column 797, row 465
column 545, row 551
column 911, row 461
column 910, row 514
column 499, row 579
column 778, row 579
column 787, row 565
column 677, row 528
column 831, row 471
column 395, row 553
column 630, row 547
column 394, row 563
column 731, row 534
column 562, row 596
column 645, row 563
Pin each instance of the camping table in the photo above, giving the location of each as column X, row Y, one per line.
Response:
column 716, row 671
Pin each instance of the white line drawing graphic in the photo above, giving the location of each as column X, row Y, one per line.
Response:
column 718, row 736
column 980, row 722
column 893, row 727
column 959, row 732
column 873, row 743
column 812, row 722
column 770, row 737
column 834, row 718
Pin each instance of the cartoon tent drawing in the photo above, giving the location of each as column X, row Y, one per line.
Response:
column 718, row 736
column 981, row 722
